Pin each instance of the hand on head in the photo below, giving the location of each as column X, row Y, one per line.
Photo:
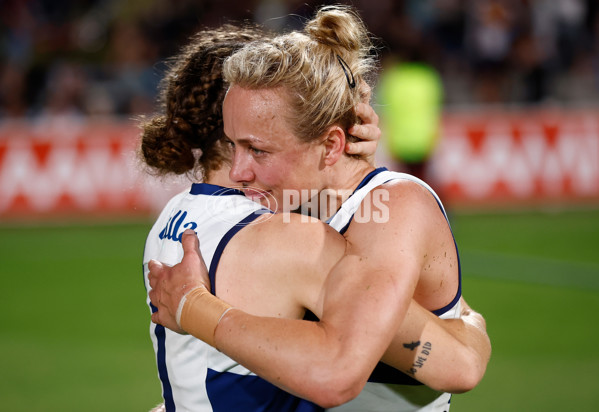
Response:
column 170, row 284
column 368, row 132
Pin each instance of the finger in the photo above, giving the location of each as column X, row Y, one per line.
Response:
column 363, row 132
column 366, row 132
column 352, row 148
column 190, row 242
column 153, row 280
column 155, row 268
column 355, row 130
column 156, row 318
column 191, row 248
column 361, row 148
column 367, row 114
column 154, row 297
column 155, row 272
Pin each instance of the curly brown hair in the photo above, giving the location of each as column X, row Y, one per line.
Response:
column 188, row 131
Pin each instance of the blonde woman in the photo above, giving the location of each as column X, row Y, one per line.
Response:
column 287, row 113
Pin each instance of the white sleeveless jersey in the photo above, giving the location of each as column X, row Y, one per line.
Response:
column 389, row 390
column 195, row 376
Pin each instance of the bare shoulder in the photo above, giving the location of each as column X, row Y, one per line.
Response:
column 282, row 230
column 400, row 216
column 411, row 203
column 280, row 258
column 395, row 204
column 409, row 193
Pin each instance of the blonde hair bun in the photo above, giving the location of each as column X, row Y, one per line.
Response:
column 339, row 27
column 322, row 69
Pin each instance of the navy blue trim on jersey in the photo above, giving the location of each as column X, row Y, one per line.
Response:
column 344, row 228
column 369, row 177
column 225, row 240
column 458, row 295
column 160, row 332
column 249, row 393
column 167, row 391
column 363, row 183
column 384, row 373
column 213, row 190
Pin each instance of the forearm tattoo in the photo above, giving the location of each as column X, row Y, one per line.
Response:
column 425, row 351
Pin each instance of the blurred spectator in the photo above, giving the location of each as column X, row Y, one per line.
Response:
column 130, row 59
column 64, row 91
column 489, row 36
column 12, row 91
column 105, row 53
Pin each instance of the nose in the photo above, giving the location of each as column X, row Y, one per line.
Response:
column 241, row 171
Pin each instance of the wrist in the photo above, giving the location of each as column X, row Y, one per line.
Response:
column 199, row 313
column 182, row 304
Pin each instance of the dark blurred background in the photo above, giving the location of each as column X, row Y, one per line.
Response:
column 99, row 57
column 517, row 165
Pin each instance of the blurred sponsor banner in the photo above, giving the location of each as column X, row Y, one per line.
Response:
column 76, row 167
column 502, row 159
column 72, row 167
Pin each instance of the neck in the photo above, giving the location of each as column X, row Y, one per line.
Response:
column 344, row 177
column 220, row 177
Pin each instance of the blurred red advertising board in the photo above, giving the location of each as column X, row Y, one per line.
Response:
column 76, row 167
column 70, row 167
column 501, row 159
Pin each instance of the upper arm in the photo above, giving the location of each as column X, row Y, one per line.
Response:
column 368, row 292
column 390, row 233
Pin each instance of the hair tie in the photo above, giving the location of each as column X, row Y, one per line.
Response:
column 346, row 69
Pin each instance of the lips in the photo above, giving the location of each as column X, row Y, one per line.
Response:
column 263, row 197
column 255, row 194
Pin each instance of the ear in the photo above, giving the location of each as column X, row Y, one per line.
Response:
column 334, row 143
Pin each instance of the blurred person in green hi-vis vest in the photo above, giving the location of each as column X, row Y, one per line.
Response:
column 410, row 95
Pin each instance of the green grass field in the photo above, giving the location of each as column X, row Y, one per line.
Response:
column 74, row 333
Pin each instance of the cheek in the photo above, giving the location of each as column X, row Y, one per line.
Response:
column 273, row 175
column 292, row 171
column 305, row 170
